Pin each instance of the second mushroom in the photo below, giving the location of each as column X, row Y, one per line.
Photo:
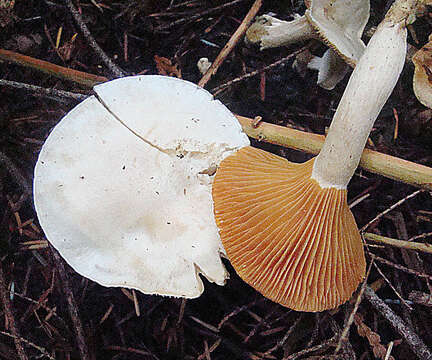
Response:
column 338, row 23
column 287, row 228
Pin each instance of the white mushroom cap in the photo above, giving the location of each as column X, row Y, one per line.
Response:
column 341, row 23
column 338, row 23
column 122, row 187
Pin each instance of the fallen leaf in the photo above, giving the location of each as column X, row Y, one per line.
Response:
column 166, row 67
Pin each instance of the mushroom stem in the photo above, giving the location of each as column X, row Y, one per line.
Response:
column 372, row 161
column 369, row 87
column 271, row 32
column 331, row 69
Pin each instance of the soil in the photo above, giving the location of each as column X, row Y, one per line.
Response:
column 51, row 312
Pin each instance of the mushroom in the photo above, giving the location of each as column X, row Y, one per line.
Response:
column 422, row 80
column 287, row 228
column 270, row 32
column 122, row 186
column 203, row 65
column 325, row 19
column 340, row 23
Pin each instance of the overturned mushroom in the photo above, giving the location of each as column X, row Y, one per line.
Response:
column 286, row 227
column 122, row 186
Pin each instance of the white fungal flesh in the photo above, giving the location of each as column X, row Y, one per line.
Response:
column 271, row 32
column 331, row 69
column 341, row 24
column 203, row 65
column 369, row 87
column 122, row 187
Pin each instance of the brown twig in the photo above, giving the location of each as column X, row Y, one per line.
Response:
column 403, row 268
column 57, row 95
column 325, row 345
column 421, row 236
column 413, row 340
column 392, row 287
column 281, row 342
column 73, row 310
column 405, row 244
column 42, row 350
column 232, row 42
column 15, row 172
column 79, row 77
column 282, row 61
column 350, row 321
column 380, row 215
column 7, row 306
column 196, row 17
column 115, row 70
column 373, row 161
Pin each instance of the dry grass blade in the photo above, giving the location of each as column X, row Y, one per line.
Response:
column 231, row 43
column 72, row 306
column 390, row 208
column 424, row 247
column 7, row 306
column 115, row 70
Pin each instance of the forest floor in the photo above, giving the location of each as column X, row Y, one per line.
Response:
column 51, row 312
